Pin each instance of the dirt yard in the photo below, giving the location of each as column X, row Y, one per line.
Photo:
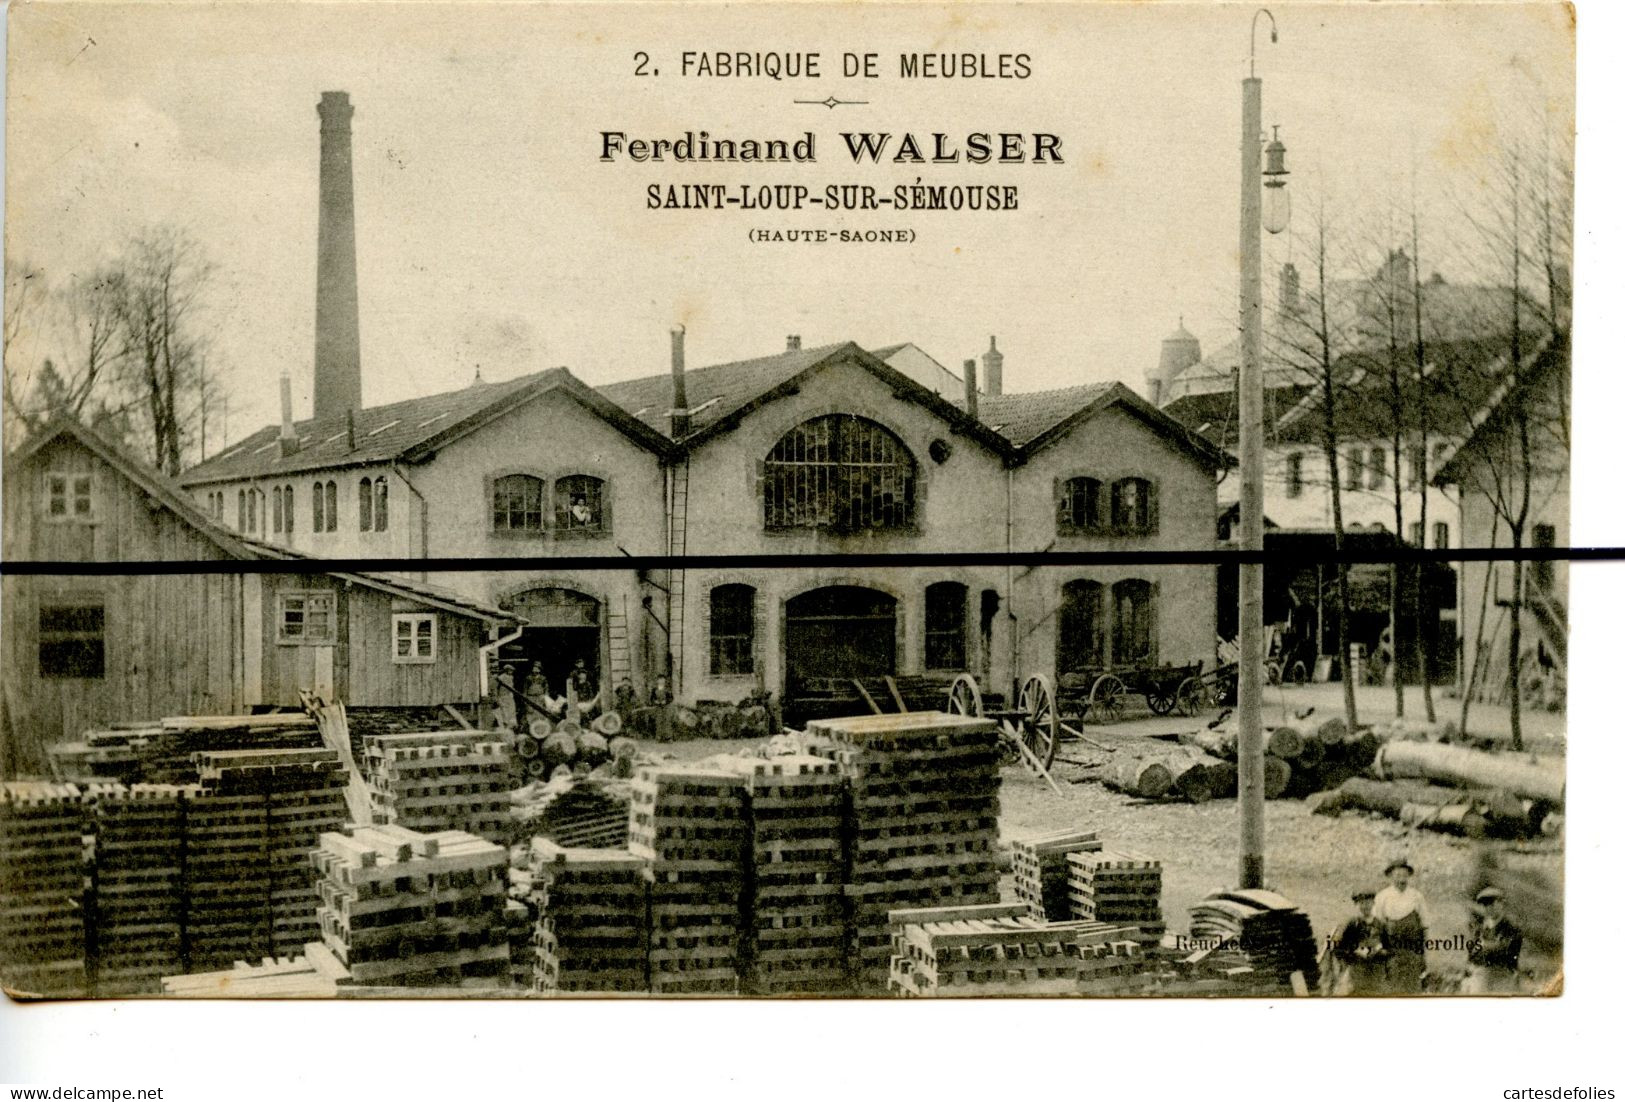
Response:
column 1315, row 861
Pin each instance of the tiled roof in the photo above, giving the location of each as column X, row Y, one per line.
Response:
column 712, row 392
column 1020, row 418
column 382, row 433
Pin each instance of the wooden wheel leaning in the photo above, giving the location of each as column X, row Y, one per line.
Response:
column 1040, row 719
column 964, row 697
column 1106, row 698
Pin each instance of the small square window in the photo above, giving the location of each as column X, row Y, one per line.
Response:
column 68, row 496
column 307, row 618
column 72, row 639
column 416, row 636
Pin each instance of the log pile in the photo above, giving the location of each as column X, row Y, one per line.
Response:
column 401, row 908
column 794, row 908
column 922, row 824
column 1470, row 812
column 688, row 822
column 1521, row 775
column 42, row 882
column 1273, row 934
column 1043, row 873
column 592, row 933
column 457, row 780
column 138, row 884
column 1299, row 758
column 1123, row 889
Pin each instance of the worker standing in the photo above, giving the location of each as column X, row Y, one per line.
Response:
column 1493, row 952
column 1358, row 954
column 1402, row 914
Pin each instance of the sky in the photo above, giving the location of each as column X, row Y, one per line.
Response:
column 490, row 234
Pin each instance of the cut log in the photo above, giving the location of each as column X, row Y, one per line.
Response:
column 1466, row 768
column 559, row 748
column 1332, row 731
column 1311, row 751
column 1457, row 818
column 1277, row 775
column 1284, row 741
column 1219, row 742
column 1148, row 778
column 1199, row 777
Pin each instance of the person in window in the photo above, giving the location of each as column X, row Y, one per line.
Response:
column 1403, row 915
column 580, row 512
column 1496, row 944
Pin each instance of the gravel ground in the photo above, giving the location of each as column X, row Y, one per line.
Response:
column 1313, row 860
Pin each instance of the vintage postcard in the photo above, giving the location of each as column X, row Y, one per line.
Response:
column 785, row 500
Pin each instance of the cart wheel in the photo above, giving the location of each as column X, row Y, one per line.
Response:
column 1106, row 699
column 1160, row 698
column 1299, row 674
column 1191, row 698
column 1040, row 721
column 964, row 698
column 1272, row 673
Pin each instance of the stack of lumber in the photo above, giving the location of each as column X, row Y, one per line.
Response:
column 1117, row 887
column 1273, row 934
column 443, row 780
column 1043, row 875
column 101, row 756
column 42, row 883
column 364, row 721
column 227, row 875
column 1000, row 950
column 794, row 912
column 303, row 794
column 688, row 821
column 401, row 908
column 592, row 933
column 576, row 813
column 168, row 757
column 139, row 886
column 922, row 825
column 1218, row 973
column 312, row 974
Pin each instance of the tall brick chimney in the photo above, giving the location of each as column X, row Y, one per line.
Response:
column 338, row 327
column 970, row 387
column 993, row 368
column 679, row 387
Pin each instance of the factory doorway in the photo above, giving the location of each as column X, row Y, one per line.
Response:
column 565, row 628
column 837, row 633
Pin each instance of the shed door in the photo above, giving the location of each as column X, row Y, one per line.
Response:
column 840, row 631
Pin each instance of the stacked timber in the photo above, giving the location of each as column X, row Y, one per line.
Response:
column 138, row 880
column 576, row 813
column 592, row 930
column 403, row 909
column 794, row 905
column 688, row 821
column 42, row 884
column 1000, row 950
column 1043, row 873
column 922, row 825
column 312, row 974
column 303, row 792
column 227, row 875
column 1121, row 888
column 1273, row 934
column 162, row 751
column 1217, row 973
column 436, row 781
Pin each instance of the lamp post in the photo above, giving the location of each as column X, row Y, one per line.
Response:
column 1249, row 687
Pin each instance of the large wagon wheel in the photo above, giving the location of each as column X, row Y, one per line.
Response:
column 1160, row 696
column 964, row 698
column 1040, row 721
column 1106, row 698
column 1191, row 697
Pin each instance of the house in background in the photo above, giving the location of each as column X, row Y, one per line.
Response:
column 89, row 650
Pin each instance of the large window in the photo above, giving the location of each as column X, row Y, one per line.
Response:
column 1081, row 624
column 72, row 638
column 516, row 503
column 1133, row 622
column 578, row 504
column 733, row 630
column 68, row 496
column 1133, row 505
column 307, row 617
column 372, row 504
column 1081, row 507
column 945, row 626
column 415, row 637
column 841, row 473
column 324, row 506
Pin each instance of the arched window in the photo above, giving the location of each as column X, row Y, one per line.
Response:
column 516, row 503
column 363, row 499
column 380, row 504
column 331, row 492
column 733, row 630
column 242, row 510
column 256, row 502
column 318, row 512
column 287, row 509
column 842, row 473
column 1081, row 626
column 578, row 504
column 276, row 509
column 1081, row 507
column 1133, row 506
column 945, row 626
column 1133, row 622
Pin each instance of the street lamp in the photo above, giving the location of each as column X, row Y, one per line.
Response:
column 1277, row 204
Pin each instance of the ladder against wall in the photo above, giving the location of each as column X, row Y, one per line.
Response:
column 620, row 650
column 678, row 546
